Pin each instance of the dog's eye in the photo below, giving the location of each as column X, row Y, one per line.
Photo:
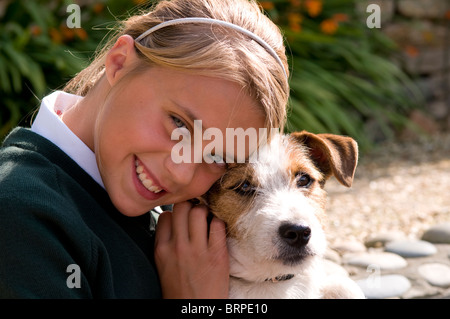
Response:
column 245, row 188
column 304, row 180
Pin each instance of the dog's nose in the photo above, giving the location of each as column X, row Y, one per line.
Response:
column 294, row 234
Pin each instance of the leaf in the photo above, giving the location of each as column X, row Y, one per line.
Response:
column 18, row 58
column 4, row 79
column 28, row 69
column 37, row 78
column 302, row 119
column 16, row 79
column 39, row 14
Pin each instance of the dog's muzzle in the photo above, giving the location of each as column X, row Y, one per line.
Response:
column 295, row 235
column 294, row 243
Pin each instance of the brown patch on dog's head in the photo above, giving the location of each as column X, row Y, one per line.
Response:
column 332, row 154
column 231, row 195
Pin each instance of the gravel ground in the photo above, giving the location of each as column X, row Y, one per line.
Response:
column 398, row 187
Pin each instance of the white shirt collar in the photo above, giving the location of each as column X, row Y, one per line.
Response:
column 49, row 125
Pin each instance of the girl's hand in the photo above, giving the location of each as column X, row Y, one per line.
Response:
column 191, row 263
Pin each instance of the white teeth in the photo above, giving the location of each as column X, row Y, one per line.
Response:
column 148, row 183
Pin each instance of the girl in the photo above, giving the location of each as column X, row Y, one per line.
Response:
column 76, row 188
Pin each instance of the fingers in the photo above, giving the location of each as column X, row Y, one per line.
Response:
column 190, row 225
column 185, row 223
column 180, row 220
column 164, row 229
column 198, row 227
column 217, row 245
column 217, row 234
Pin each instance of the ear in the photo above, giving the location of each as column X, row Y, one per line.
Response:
column 333, row 154
column 120, row 57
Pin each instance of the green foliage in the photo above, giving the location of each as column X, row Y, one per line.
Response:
column 39, row 53
column 341, row 77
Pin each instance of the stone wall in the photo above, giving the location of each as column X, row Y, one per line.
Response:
column 422, row 30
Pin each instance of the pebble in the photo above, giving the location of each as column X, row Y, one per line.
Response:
column 379, row 260
column 385, row 286
column 382, row 239
column 436, row 274
column 411, row 248
column 351, row 246
column 438, row 234
column 385, row 265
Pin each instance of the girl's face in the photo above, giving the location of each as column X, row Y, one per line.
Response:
column 133, row 131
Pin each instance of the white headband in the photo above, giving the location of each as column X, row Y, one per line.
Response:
column 218, row 22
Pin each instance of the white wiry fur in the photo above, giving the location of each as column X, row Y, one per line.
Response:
column 257, row 251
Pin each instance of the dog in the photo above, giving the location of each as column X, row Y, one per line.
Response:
column 274, row 211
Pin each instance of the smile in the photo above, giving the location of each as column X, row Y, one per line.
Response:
column 148, row 183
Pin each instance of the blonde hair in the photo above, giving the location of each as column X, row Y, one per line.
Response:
column 208, row 50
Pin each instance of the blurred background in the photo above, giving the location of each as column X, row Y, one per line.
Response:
column 374, row 84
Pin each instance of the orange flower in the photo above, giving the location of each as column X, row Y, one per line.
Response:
column 267, row 5
column 98, row 8
column 295, row 3
column 55, row 35
column 295, row 20
column 313, row 7
column 66, row 33
column 340, row 17
column 35, row 30
column 412, row 51
column 81, row 33
column 296, row 27
column 329, row 26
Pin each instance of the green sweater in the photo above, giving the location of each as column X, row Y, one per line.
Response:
column 53, row 215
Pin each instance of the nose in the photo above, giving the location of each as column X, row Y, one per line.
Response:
column 295, row 235
column 181, row 173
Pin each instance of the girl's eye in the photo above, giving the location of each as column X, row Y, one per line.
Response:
column 217, row 159
column 177, row 122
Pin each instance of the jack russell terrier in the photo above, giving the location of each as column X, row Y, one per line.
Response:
column 274, row 210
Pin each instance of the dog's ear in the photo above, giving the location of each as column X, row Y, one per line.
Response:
column 333, row 154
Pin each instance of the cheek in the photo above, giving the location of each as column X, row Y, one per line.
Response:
column 111, row 130
column 112, row 147
column 202, row 181
column 106, row 150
